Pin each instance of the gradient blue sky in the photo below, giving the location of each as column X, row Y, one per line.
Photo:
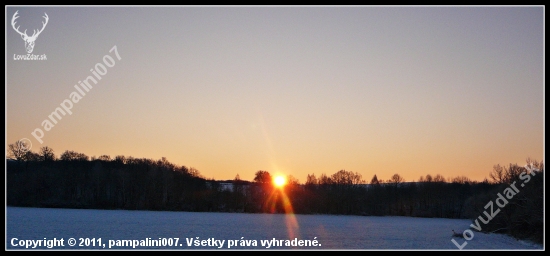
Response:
column 289, row 90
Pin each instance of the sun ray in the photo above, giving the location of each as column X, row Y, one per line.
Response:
column 279, row 196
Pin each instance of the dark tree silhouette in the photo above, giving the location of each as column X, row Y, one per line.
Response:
column 70, row 155
column 17, row 151
column 262, row 177
column 374, row 180
column 47, row 154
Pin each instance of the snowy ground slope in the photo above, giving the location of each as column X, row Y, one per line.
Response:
column 332, row 232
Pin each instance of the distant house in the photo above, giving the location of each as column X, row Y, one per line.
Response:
column 227, row 186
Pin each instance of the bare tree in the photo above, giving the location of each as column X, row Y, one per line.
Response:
column 396, row 179
column 46, row 154
column 324, row 180
column 311, row 180
column 344, row 177
column 104, row 158
column 291, row 180
column 70, row 155
column 461, row 180
column 497, row 174
column 17, row 150
column 439, row 178
column 428, row 178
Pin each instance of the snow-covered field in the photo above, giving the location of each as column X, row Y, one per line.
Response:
column 330, row 232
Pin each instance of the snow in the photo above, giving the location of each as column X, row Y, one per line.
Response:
column 330, row 231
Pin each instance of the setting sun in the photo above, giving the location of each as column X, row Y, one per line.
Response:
column 279, row 181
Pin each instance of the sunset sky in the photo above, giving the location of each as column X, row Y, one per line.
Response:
column 290, row 90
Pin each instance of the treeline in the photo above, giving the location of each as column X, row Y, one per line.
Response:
column 75, row 180
column 345, row 193
column 514, row 205
column 120, row 183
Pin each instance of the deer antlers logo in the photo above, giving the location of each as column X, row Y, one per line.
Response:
column 29, row 40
